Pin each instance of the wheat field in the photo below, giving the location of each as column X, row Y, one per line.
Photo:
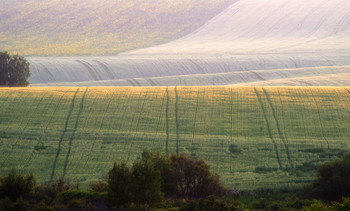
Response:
column 253, row 137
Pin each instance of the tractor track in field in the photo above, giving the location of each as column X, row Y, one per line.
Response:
column 284, row 127
column 269, row 128
column 159, row 118
column 42, row 134
column 99, row 130
column 231, row 126
column 7, row 97
column 177, row 120
column 167, row 121
column 195, row 116
column 63, row 133
column 137, row 125
column 278, row 127
column 347, row 90
column 106, row 69
column 90, row 69
column 319, row 118
column 81, row 107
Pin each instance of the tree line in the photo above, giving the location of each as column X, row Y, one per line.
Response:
column 175, row 182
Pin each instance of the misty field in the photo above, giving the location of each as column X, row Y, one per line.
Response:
column 252, row 137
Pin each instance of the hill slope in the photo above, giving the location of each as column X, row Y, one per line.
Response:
column 98, row 27
column 298, row 42
column 253, row 137
column 269, row 26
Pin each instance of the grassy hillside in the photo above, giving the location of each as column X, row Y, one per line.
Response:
column 98, row 27
column 271, row 69
column 253, row 137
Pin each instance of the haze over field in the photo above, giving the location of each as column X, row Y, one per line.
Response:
column 298, row 42
column 98, row 27
column 269, row 26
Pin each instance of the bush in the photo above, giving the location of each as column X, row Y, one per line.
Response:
column 19, row 205
column 14, row 70
column 193, row 179
column 147, row 182
column 100, row 186
column 120, row 184
column 163, row 164
column 47, row 193
column 333, row 180
column 69, row 195
column 342, row 206
column 212, row 203
column 16, row 185
column 316, row 206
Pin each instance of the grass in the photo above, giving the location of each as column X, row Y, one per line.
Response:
column 252, row 137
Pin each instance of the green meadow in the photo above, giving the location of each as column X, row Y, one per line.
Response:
column 253, row 137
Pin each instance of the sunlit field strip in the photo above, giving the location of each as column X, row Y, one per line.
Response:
column 114, row 124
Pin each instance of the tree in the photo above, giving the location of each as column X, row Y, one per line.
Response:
column 333, row 180
column 147, row 183
column 120, row 184
column 16, row 185
column 193, row 178
column 162, row 163
column 14, row 70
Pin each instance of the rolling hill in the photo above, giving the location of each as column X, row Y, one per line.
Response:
column 253, row 137
column 98, row 27
column 265, row 42
column 268, row 26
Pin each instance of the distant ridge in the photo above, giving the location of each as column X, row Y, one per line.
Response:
column 268, row 26
column 98, row 27
column 252, row 42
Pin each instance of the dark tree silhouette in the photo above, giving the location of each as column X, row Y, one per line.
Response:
column 14, row 70
column 120, row 184
column 193, row 178
column 333, row 180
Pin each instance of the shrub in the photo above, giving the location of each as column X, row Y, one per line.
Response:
column 147, row 182
column 342, row 206
column 19, row 205
column 48, row 192
column 163, row 164
column 193, row 179
column 100, row 186
column 316, row 206
column 212, row 203
column 69, row 195
column 120, row 184
column 16, row 185
column 333, row 180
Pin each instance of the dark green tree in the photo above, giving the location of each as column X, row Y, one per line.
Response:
column 120, row 185
column 333, row 180
column 14, row 70
column 162, row 163
column 15, row 186
column 193, row 178
column 147, row 181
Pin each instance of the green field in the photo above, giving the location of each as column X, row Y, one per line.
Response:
column 252, row 137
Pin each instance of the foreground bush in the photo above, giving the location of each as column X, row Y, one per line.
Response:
column 15, row 186
column 193, row 179
column 333, row 180
column 156, row 175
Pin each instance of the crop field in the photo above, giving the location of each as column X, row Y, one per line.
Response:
column 253, row 137
column 98, row 27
